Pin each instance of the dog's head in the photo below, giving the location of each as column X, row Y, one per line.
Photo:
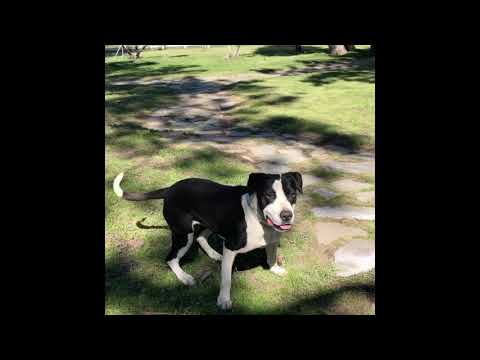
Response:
column 276, row 197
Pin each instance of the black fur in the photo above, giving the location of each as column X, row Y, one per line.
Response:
column 261, row 185
column 215, row 206
column 292, row 183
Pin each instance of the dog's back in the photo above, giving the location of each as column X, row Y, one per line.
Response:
column 206, row 200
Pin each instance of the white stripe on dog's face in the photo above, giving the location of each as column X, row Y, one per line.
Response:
column 281, row 202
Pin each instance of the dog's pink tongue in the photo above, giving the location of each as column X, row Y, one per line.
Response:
column 269, row 221
column 285, row 226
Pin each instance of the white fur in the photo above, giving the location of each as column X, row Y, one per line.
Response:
column 194, row 222
column 202, row 240
column 271, row 250
column 257, row 237
column 116, row 185
column 175, row 264
column 278, row 270
column 255, row 232
column 281, row 203
column 223, row 300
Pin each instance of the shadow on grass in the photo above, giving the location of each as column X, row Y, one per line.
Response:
column 327, row 173
column 134, row 140
column 326, row 134
column 328, row 302
column 210, row 163
column 133, row 293
column 139, row 99
column 131, row 100
column 329, row 77
column 362, row 69
column 133, row 70
column 287, row 50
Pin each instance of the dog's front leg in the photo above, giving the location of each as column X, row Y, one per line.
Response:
column 271, row 250
column 223, row 300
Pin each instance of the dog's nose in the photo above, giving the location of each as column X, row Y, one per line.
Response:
column 286, row 215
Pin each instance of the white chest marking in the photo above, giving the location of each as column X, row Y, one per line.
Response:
column 255, row 232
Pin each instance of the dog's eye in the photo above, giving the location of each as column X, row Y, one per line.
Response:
column 270, row 194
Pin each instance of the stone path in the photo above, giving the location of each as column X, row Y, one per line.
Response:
column 328, row 232
column 345, row 212
column 200, row 118
column 355, row 257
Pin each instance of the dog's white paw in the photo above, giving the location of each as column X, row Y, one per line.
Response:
column 188, row 280
column 224, row 303
column 278, row 270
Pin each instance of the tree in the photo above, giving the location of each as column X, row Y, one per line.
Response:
column 337, row 49
column 298, row 48
column 340, row 49
column 231, row 52
column 136, row 52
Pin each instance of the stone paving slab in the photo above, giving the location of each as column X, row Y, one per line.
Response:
column 345, row 212
column 366, row 196
column 293, row 155
column 348, row 185
column 311, row 180
column 270, row 168
column 355, row 257
column 325, row 193
column 328, row 232
column 367, row 167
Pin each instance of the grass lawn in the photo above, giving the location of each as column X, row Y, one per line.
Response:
column 340, row 107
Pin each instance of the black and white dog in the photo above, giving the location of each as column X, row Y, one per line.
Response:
column 246, row 217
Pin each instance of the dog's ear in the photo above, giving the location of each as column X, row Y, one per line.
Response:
column 296, row 179
column 253, row 181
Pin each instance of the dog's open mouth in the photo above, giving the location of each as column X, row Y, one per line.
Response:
column 282, row 227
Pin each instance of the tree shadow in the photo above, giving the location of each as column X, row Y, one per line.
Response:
column 125, row 287
column 135, row 99
column 328, row 302
column 133, row 70
column 329, row 77
column 287, row 50
column 360, row 69
column 135, row 293
column 326, row 134
column 140, row 98
column 281, row 100
column 210, row 163
column 134, row 140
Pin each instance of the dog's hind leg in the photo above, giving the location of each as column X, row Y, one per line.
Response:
column 180, row 246
column 201, row 234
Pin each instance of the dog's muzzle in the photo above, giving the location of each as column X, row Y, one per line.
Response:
column 281, row 227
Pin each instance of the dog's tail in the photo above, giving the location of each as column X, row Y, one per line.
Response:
column 157, row 194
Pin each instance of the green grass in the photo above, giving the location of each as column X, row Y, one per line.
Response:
column 137, row 279
column 338, row 107
column 342, row 110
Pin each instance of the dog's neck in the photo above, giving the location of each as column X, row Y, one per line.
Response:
column 253, row 204
column 271, row 236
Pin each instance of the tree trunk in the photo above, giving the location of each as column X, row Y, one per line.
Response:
column 350, row 47
column 237, row 50
column 298, row 48
column 372, row 49
column 139, row 51
column 337, row 50
column 230, row 53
